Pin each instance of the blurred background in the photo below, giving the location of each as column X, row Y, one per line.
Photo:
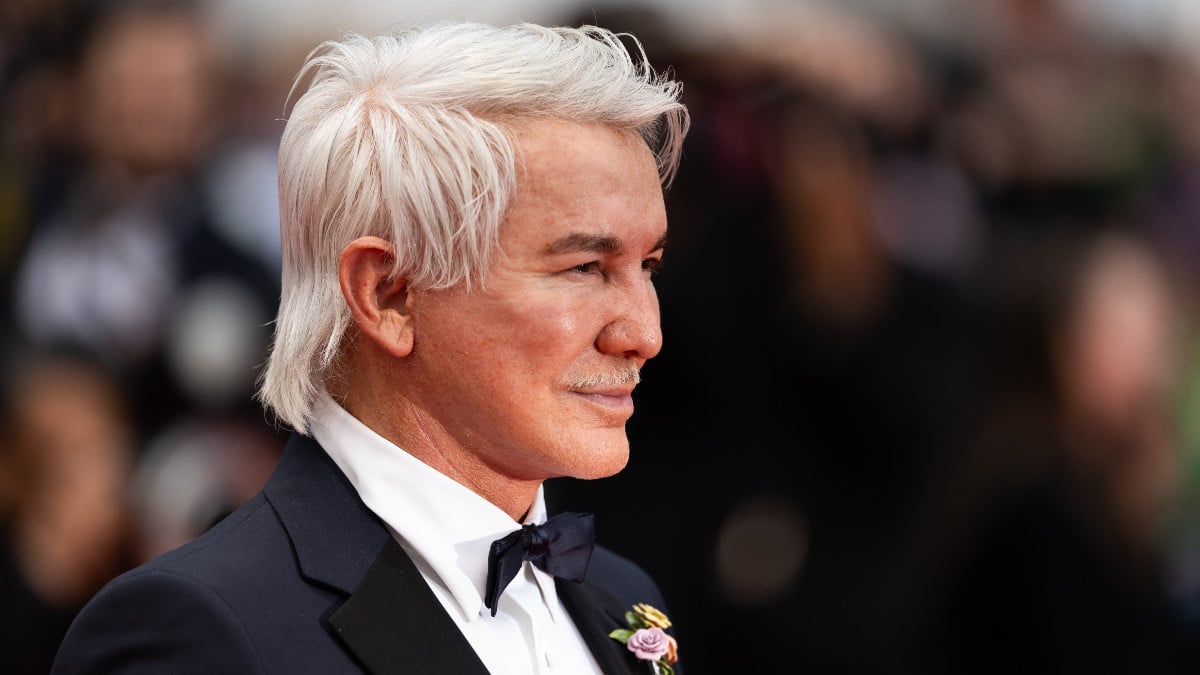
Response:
column 930, row 398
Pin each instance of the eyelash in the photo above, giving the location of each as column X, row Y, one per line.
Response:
column 651, row 265
column 587, row 267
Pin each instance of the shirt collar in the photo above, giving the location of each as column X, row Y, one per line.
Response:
column 436, row 519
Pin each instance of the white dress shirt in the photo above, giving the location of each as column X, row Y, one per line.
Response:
column 447, row 530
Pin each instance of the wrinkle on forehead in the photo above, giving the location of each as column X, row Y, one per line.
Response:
column 535, row 141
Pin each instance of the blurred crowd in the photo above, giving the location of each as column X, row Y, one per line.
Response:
column 930, row 398
column 139, row 275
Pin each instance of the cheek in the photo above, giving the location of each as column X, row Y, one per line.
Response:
column 554, row 332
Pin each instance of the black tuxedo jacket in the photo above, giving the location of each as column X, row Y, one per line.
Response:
column 304, row 579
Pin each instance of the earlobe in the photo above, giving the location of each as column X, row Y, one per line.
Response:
column 380, row 303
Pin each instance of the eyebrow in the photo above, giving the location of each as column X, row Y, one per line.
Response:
column 578, row 241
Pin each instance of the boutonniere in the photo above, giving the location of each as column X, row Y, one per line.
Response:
column 647, row 639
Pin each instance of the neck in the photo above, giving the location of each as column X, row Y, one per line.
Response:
column 376, row 400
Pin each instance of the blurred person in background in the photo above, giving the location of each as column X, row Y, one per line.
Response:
column 1174, row 216
column 127, row 263
column 1049, row 119
column 862, row 361
column 66, row 455
column 39, row 45
column 108, row 252
column 1050, row 532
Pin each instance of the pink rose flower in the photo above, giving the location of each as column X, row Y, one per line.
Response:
column 649, row 643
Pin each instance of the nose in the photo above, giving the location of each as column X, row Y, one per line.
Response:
column 633, row 329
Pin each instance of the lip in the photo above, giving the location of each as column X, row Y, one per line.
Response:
column 616, row 398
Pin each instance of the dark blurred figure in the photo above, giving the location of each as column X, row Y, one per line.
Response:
column 128, row 264
column 1049, row 533
column 1173, row 210
column 863, row 370
column 119, row 246
column 39, row 49
column 66, row 452
column 1048, row 119
column 1173, row 205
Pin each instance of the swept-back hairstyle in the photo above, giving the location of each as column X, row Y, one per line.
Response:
column 404, row 137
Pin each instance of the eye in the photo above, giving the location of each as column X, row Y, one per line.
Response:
column 652, row 265
column 592, row 267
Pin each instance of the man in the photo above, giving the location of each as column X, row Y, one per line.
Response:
column 471, row 218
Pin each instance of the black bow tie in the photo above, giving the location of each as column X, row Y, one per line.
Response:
column 561, row 546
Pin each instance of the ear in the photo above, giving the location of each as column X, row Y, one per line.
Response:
column 380, row 303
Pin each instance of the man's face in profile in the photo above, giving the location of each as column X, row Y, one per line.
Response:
column 533, row 371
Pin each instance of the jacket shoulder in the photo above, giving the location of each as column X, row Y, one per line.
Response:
column 155, row 620
column 251, row 531
column 182, row 611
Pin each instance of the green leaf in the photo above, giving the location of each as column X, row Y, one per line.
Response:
column 664, row 669
column 633, row 620
column 621, row 635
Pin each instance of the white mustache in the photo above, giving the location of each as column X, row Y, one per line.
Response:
column 627, row 375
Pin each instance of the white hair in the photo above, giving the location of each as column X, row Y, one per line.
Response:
column 403, row 137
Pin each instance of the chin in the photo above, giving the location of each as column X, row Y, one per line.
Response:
column 605, row 457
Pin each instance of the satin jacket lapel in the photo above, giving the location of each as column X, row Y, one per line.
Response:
column 395, row 601
column 391, row 621
column 597, row 613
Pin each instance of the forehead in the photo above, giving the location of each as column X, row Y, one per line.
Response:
column 583, row 179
